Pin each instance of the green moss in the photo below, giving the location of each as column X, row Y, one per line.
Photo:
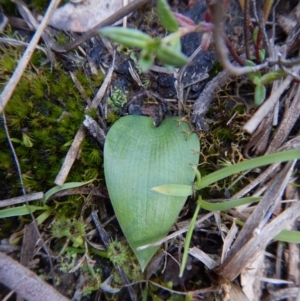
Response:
column 62, row 38
column 43, row 116
column 97, row 79
column 92, row 284
column 9, row 7
column 121, row 255
column 39, row 5
column 223, row 144
column 117, row 100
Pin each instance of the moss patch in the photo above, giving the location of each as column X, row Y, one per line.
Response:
column 43, row 116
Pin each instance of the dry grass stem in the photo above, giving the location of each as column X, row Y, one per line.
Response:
column 101, row 92
column 231, row 269
column 13, row 42
column 22, row 199
column 80, row 89
column 251, row 233
column 229, row 240
column 70, row 157
column 203, row 257
column 291, row 114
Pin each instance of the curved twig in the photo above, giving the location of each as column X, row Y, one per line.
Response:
column 217, row 14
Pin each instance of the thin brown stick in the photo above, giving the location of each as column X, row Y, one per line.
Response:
column 22, row 199
column 14, row 80
column 246, row 31
column 233, row 53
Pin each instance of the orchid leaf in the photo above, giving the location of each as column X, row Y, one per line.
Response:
column 138, row 157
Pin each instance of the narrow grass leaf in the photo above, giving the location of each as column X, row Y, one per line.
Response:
column 42, row 217
column 70, row 185
column 228, row 204
column 21, row 210
column 189, row 237
column 288, row 236
column 247, row 165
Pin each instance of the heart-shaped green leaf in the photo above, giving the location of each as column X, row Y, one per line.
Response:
column 138, row 157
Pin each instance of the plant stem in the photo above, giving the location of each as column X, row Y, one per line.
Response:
column 189, row 237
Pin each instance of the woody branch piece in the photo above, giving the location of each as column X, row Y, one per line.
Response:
column 25, row 283
column 217, row 13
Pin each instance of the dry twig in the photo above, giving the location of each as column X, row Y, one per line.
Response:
column 216, row 10
column 25, row 283
column 22, row 199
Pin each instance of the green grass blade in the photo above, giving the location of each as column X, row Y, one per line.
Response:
column 21, row 210
column 189, row 237
column 228, row 204
column 70, row 185
column 246, row 165
column 42, row 217
column 288, row 236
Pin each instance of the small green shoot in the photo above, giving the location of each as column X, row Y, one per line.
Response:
column 165, row 16
column 167, row 50
column 261, row 81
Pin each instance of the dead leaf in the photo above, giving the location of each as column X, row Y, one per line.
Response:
column 251, row 284
column 81, row 17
